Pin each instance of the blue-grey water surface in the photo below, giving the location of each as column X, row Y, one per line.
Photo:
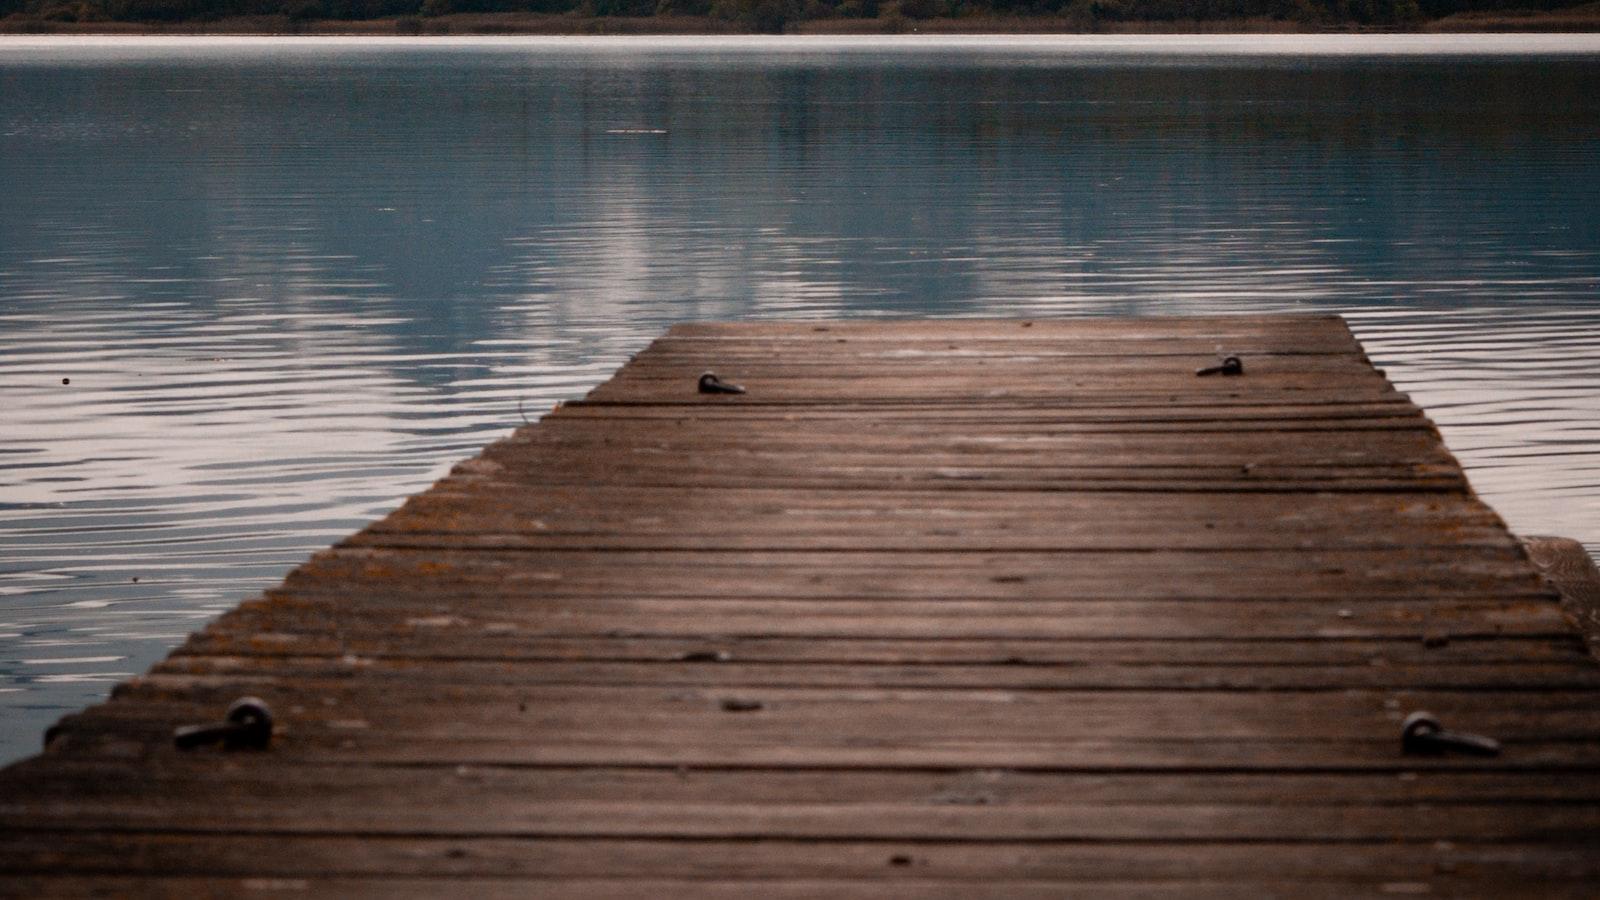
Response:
column 253, row 292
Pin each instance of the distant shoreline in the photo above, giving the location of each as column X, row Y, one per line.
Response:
column 1580, row 20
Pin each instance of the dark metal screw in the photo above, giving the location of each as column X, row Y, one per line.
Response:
column 1422, row 733
column 711, row 384
column 248, row 727
column 1230, row 365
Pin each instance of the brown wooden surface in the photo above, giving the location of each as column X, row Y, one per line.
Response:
column 1566, row 564
column 945, row 609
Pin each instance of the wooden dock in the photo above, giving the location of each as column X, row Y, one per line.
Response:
column 954, row 609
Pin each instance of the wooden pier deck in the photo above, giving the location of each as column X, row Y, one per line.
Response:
column 955, row 609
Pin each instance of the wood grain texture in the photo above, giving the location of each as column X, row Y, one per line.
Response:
column 975, row 608
column 1566, row 564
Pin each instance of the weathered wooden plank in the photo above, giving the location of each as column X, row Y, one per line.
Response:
column 1414, row 573
column 1501, row 822
column 670, row 748
column 970, row 480
column 757, row 474
column 677, row 456
column 594, row 516
column 847, row 378
column 1124, row 412
column 961, row 348
column 1015, row 420
column 674, row 455
column 1284, row 388
column 1031, row 445
column 1279, row 328
column 291, row 856
column 353, row 646
column 71, row 785
column 1202, row 716
column 835, row 360
column 354, row 721
column 1005, row 676
column 814, row 888
column 910, row 619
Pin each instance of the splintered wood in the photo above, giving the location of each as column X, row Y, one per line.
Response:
column 956, row 609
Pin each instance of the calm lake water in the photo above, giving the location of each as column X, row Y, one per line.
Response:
column 254, row 292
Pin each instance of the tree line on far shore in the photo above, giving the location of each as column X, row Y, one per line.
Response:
column 775, row 15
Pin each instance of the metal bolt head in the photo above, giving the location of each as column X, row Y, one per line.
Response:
column 710, row 384
column 1422, row 733
column 254, row 725
column 1418, row 724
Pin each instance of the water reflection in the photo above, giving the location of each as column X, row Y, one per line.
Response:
column 252, row 293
